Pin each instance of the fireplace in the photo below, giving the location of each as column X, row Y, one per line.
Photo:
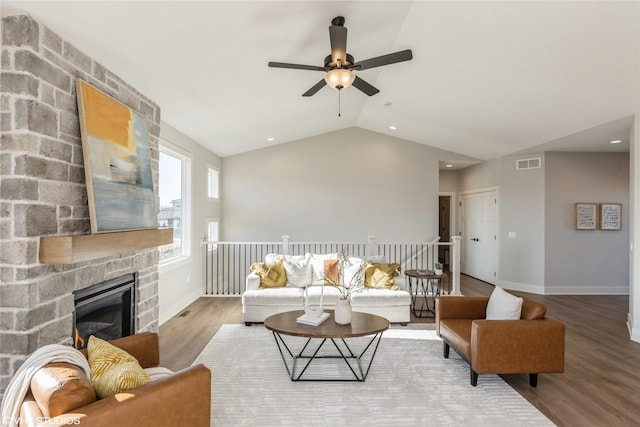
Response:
column 105, row 310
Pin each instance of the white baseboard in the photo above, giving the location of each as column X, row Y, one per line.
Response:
column 564, row 290
column 634, row 333
column 522, row 287
column 178, row 306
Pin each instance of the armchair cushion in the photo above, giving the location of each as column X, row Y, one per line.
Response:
column 503, row 306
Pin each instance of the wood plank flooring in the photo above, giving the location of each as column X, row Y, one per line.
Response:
column 600, row 385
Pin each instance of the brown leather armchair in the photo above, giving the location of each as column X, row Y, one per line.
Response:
column 181, row 398
column 531, row 345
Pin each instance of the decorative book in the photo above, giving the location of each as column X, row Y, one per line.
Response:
column 305, row 319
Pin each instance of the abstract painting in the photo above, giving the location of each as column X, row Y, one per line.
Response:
column 117, row 162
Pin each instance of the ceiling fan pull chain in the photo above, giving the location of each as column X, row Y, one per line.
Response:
column 339, row 102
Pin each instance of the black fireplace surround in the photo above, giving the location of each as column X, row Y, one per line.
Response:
column 105, row 310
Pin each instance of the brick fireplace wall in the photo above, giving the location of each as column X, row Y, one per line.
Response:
column 43, row 191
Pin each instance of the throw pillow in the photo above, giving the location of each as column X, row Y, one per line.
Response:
column 331, row 272
column 113, row 370
column 350, row 270
column 272, row 275
column 318, row 267
column 298, row 269
column 390, row 270
column 503, row 306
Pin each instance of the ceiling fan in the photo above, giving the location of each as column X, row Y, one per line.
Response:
column 339, row 66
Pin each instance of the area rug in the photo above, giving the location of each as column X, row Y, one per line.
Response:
column 409, row 384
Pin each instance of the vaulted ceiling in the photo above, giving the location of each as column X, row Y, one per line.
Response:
column 487, row 79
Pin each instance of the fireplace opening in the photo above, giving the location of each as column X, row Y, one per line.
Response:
column 105, row 310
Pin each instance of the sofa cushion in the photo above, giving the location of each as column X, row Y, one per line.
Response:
column 286, row 297
column 272, row 275
column 503, row 306
column 330, row 295
column 373, row 297
column 457, row 332
column 61, row 387
column 113, row 370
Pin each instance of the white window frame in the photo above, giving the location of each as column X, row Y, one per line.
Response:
column 172, row 150
column 210, row 197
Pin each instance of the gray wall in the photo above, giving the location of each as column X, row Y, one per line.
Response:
column 344, row 185
column 182, row 282
column 547, row 255
column 594, row 261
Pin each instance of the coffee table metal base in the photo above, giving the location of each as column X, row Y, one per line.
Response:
column 353, row 360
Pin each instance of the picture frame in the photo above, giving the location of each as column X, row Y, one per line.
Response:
column 117, row 161
column 610, row 216
column 586, row 216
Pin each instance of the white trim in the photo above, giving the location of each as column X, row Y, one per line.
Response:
column 186, row 157
column 563, row 290
column 217, row 169
column 634, row 334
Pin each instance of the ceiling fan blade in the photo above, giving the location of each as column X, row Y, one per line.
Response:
column 338, row 38
column 322, row 83
column 364, row 86
column 391, row 58
column 296, row 66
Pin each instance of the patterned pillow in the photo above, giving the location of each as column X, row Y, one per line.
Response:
column 272, row 275
column 381, row 275
column 113, row 370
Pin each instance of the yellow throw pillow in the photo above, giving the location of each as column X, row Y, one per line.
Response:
column 381, row 275
column 113, row 370
column 272, row 275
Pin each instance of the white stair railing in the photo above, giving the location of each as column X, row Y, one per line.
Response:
column 228, row 263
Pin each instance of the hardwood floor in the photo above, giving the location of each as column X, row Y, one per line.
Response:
column 600, row 385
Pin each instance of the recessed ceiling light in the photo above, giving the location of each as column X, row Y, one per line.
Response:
column 392, row 127
column 270, row 139
column 616, row 141
column 448, row 165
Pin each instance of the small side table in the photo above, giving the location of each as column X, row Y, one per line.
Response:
column 430, row 284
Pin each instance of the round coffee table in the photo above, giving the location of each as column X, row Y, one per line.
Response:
column 362, row 325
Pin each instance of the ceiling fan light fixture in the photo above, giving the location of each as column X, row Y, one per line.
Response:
column 340, row 78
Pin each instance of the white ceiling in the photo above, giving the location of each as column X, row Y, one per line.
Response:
column 487, row 79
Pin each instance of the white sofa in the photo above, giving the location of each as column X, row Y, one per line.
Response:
column 260, row 303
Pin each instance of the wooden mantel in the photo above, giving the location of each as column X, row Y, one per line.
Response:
column 85, row 247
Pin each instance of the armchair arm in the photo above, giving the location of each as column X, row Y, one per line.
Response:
column 452, row 307
column 253, row 282
column 517, row 346
column 145, row 347
column 183, row 398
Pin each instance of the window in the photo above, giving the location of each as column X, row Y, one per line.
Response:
column 213, row 183
column 213, row 229
column 174, row 201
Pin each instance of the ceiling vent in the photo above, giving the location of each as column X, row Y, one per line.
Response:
column 535, row 163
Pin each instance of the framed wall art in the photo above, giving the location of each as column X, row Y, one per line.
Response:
column 117, row 161
column 586, row 216
column 610, row 216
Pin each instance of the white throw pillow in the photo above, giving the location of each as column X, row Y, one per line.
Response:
column 317, row 264
column 298, row 270
column 271, row 258
column 503, row 306
column 350, row 270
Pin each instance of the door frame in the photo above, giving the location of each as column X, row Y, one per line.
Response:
column 461, row 194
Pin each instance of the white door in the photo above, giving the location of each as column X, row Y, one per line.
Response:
column 479, row 232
